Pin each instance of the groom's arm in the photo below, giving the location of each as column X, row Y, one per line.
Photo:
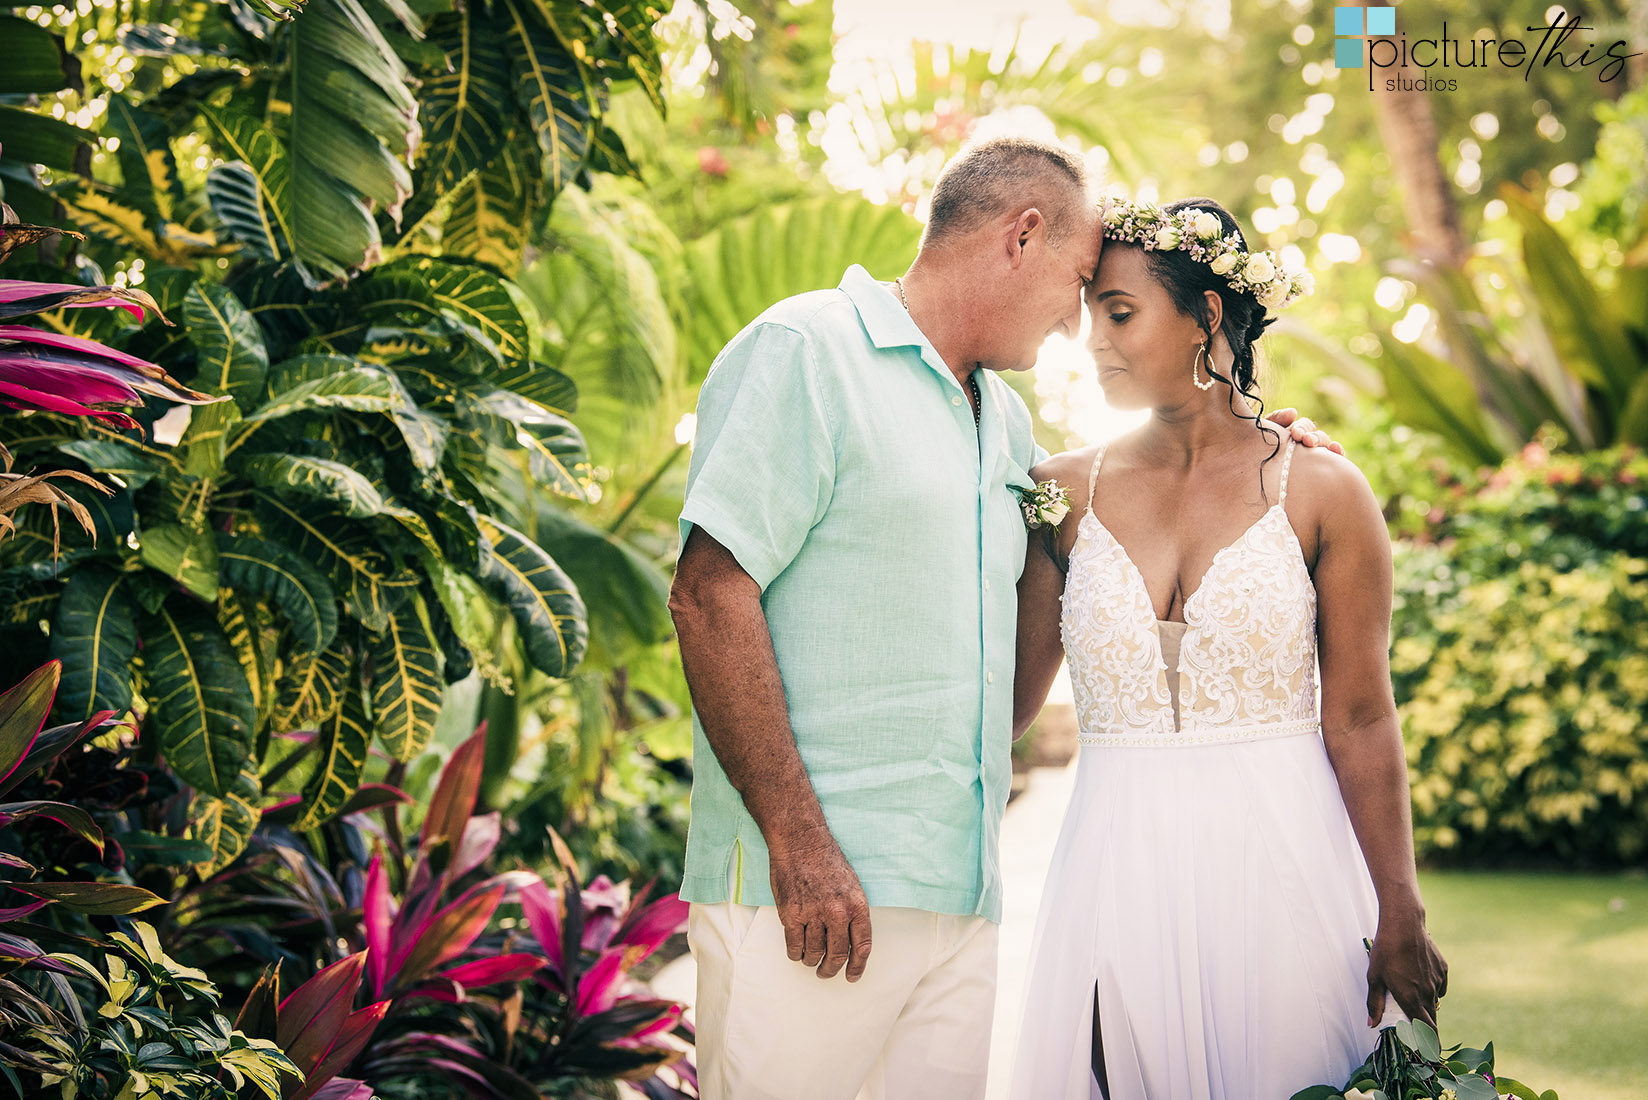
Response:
column 727, row 654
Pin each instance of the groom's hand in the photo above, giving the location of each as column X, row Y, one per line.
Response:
column 822, row 906
column 1303, row 429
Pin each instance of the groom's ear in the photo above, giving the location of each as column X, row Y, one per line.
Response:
column 1025, row 226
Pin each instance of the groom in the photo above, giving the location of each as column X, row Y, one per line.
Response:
column 845, row 604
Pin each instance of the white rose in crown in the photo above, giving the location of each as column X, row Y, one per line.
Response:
column 1259, row 269
column 1114, row 215
column 1224, row 264
column 1167, row 238
column 1046, row 505
column 1274, row 294
column 1207, row 226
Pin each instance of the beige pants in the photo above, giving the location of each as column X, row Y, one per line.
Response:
column 915, row 1027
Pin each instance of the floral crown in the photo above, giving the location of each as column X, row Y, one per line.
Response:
column 1201, row 233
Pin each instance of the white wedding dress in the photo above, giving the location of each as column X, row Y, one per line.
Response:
column 1206, row 881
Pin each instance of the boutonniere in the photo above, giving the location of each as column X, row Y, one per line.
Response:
column 1045, row 505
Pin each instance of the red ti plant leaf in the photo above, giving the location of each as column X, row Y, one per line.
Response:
column 344, row 1088
column 455, row 794
column 603, row 902
column 442, row 937
column 482, row 973
column 50, row 744
column 543, row 917
column 480, row 837
column 72, row 818
column 649, row 928
column 257, row 1015
column 20, row 298
column 379, row 919
column 106, row 899
column 598, row 990
column 21, row 911
column 352, row 1037
column 23, row 710
column 307, row 1021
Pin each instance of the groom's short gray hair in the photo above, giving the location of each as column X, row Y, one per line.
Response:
column 1006, row 174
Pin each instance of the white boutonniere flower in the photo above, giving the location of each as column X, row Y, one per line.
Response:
column 1045, row 505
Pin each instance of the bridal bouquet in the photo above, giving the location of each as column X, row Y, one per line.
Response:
column 1410, row 1064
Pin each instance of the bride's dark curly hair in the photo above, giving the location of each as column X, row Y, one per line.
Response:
column 1187, row 280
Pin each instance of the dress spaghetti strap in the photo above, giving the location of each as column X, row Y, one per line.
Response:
column 1093, row 475
column 1287, row 462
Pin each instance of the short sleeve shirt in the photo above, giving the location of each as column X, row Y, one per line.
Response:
column 836, row 458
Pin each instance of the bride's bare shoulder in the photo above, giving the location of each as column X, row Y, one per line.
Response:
column 1329, row 484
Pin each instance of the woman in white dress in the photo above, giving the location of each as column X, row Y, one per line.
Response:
column 1231, row 840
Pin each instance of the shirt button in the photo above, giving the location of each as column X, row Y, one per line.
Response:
column 987, row 584
column 955, row 401
column 989, row 677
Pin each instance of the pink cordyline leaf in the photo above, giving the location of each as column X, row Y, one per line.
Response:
column 344, row 1088
column 74, row 296
column 501, row 968
column 21, row 397
column 603, row 905
column 480, row 837
column 599, row 988
column 447, row 934
column 46, row 380
column 378, row 918
column 543, row 917
column 349, row 1040
column 35, row 357
column 657, row 923
column 661, row 1026
column 23, row 710
column 21, row 911
column 454, row 797
column 307, row 1021
column 63, row 340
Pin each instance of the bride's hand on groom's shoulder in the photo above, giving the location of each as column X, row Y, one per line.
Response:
column 1304, row 429
column 1405, row 963
column 823, row 909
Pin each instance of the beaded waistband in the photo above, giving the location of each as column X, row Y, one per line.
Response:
column 1191, row 738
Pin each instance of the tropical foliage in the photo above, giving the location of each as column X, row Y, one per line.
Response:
column 1518, row 656
column 1518, row 346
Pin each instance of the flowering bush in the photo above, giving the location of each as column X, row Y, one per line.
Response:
column 1518, row 659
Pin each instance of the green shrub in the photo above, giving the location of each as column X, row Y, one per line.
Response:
column 1519, row 665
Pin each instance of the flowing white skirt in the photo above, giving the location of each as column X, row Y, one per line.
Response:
column 1217, row 899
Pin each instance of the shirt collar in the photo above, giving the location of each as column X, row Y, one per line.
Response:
column 885, row 319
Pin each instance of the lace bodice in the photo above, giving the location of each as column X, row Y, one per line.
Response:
column 1247, row 667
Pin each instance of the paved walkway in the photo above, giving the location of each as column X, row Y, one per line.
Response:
column 1028, row 834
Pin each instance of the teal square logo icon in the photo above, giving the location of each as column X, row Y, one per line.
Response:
column 1350, row 24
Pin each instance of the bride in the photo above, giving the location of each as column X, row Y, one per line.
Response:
column 1231, row 841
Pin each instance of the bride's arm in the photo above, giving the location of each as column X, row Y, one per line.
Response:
column 1361, row 729
column 1040, row 648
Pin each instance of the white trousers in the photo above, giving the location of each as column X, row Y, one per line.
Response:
column 915, row 1027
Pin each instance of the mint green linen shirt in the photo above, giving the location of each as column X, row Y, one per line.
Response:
column 836, row 458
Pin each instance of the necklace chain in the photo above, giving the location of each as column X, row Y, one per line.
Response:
column 972, row 379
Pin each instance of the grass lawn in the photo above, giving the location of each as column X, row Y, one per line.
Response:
column 1554, row 969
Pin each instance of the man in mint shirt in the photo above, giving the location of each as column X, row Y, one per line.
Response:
column 846, row 610
column 845, row 601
